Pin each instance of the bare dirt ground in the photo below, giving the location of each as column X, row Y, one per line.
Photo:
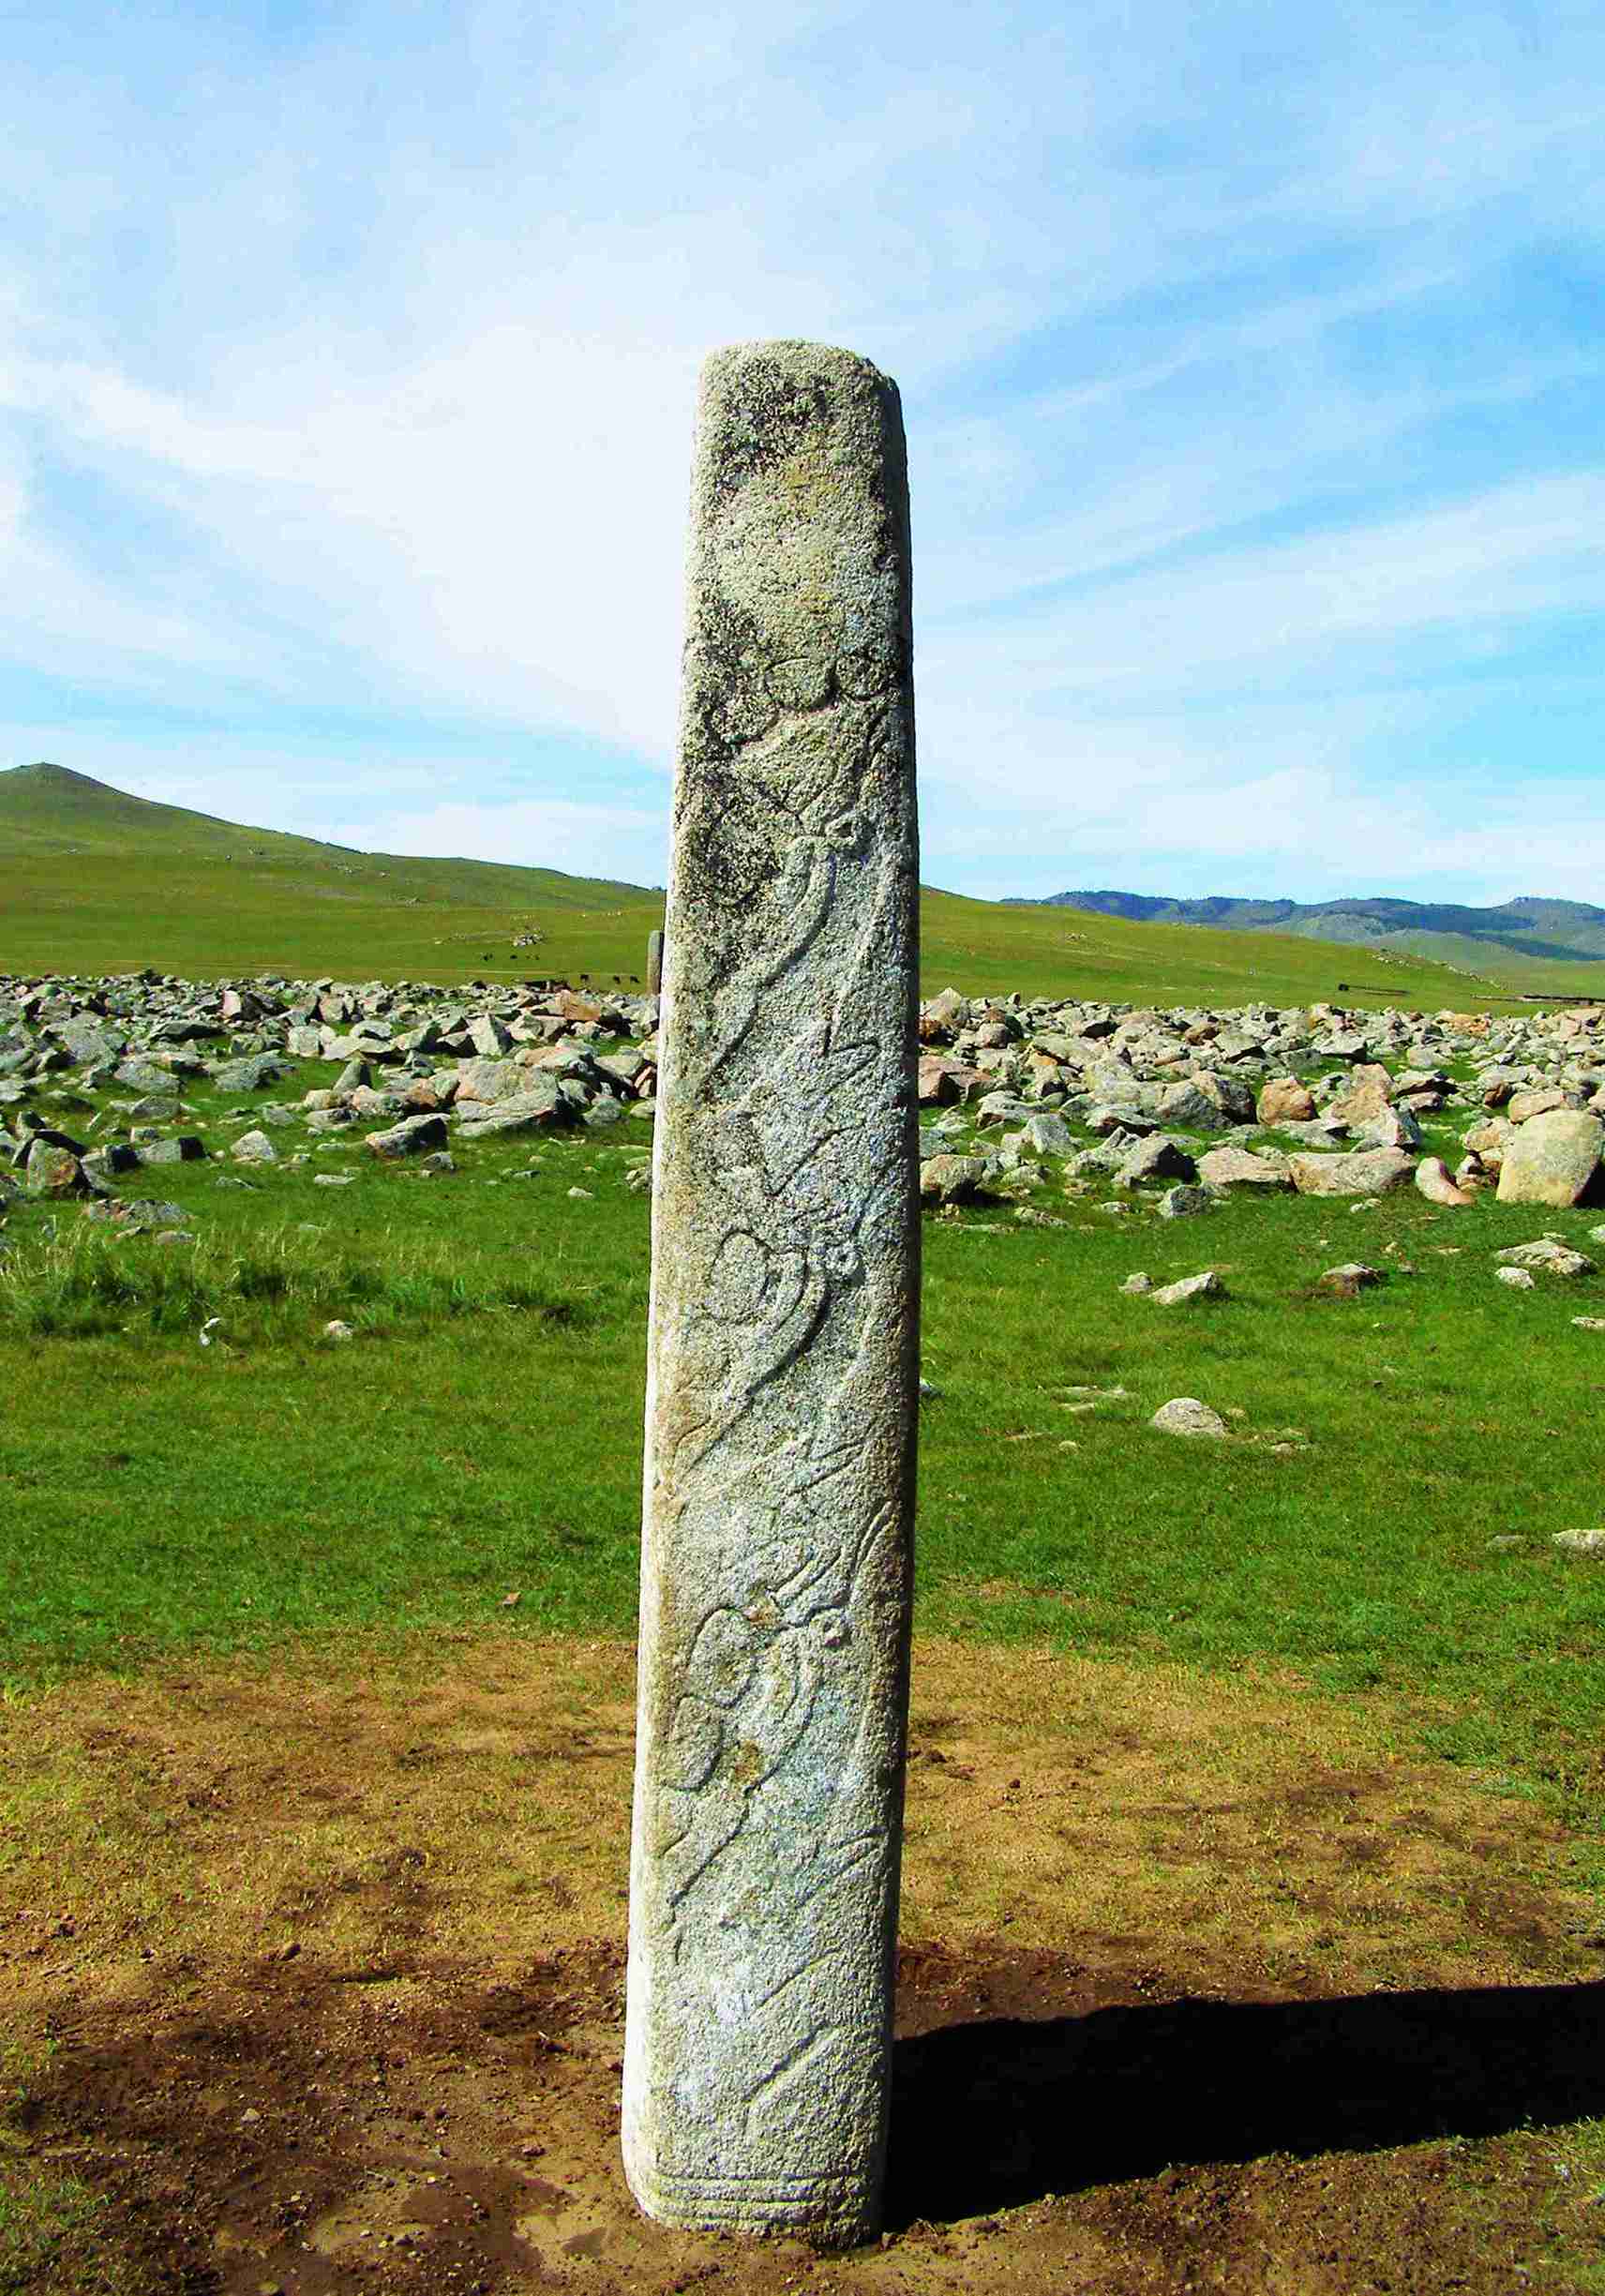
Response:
column 315, row 1974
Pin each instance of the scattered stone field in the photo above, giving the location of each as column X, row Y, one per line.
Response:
column 1023, row 1105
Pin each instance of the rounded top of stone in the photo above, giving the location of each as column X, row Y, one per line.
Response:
column 794, row 353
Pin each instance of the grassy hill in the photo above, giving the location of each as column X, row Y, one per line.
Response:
column 95, row 880
column 92, row 880
column 1530, row 943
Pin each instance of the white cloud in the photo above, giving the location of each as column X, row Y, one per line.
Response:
column 1268, row 616
column 409, row 803
column 628, row 843
column 362, row 380
column 1303, row 829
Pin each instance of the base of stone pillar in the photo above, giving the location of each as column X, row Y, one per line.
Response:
column 839, row 2212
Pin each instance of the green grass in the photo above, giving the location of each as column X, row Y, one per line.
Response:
column 985, row 949
column 86, row 1283
column 1548, row 976
column 481, row 1433
column 93, row 881
column 50, row 2237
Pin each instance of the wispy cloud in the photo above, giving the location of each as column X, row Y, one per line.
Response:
column 1251, row 369
column 626, row 842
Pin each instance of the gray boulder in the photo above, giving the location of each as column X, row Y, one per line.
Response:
column 1362, row 1172
column 181, row 1148
column 1047, row 1136
column 1348, row 1281
column 1185, row 1203
column 1194, row 1108
column 87, row 1038
column 1552, row 1158
column 1394, row 1128
column 414, row 1137
column 249, row 1075
column 1184, row 1415
column 138, row 1215
column 103, row 1163
column 489, row 1081
column 1236, row 1167
column 1549, row 1255
column 54, row 1170
column 1523, row 1107
column 951, row 1180
column 1154, row 1159
column 1204, row 1286
column 145, row 1076
column 542, row 1102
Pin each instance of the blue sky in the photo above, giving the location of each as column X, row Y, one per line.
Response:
column 1252, row 360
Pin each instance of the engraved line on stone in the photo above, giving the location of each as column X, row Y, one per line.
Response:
column 797, row 1308
column 813, row 861
column 790, row 2065
column 735, row 1826
column 763, row 970
column 860, row 1847
column 803, row 1969
column 805, row 1680
column 803, row 1688
column 736, row 2182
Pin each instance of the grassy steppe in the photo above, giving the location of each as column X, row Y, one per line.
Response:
column 1540, row 975
column 276, row 1605
column 92, row 880
column 481, row 1433
column 1325, row 1734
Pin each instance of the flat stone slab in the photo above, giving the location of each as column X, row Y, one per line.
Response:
column 414, row 1137
column 1236, row 1167
column 1362, row 1172
column 1204, row 1285
column 543, row 1106
column 1549, row 1255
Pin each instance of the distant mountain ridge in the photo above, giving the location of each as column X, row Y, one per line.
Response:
column 1531, row 926
column 94, row 880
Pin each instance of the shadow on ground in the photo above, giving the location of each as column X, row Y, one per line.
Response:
column 990, row 2114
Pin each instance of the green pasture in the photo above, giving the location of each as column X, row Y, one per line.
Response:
column 92, row 880
column 480, row 1433
column 189, row 1464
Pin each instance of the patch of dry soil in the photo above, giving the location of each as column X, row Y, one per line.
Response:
column 1203, row 1987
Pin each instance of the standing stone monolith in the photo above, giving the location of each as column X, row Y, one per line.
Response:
column 783, row 1364
column 654, row 963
